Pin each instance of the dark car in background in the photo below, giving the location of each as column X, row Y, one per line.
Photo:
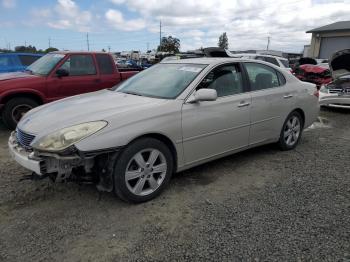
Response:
column 14, row 62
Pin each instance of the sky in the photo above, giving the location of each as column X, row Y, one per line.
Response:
column 120, row 25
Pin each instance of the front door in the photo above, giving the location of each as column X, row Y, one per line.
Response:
column 82, row 77
column 212, row 128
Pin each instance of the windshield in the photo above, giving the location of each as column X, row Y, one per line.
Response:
column 45, row 64
column 162, row 80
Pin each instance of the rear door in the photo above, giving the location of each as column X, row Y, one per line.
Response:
column 211, row 128
column 82, row 78
column 107, row 71
column 272, row 101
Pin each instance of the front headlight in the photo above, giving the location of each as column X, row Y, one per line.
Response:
column 68, row 136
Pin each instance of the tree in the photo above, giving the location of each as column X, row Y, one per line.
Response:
column 51, row 49
column 169, row 44
column 223, row 41
column 25, row 49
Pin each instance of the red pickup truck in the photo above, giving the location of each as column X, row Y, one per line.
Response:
column 55, row 76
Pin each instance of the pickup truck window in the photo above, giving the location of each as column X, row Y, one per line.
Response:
column 79, row 65
column 45, row 64
column 162, row 80
column 105, row 64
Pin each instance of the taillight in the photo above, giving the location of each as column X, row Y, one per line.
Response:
column 317, row 93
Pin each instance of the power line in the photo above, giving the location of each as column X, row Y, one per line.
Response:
column 87, row 41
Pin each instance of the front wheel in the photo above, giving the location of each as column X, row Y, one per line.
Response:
column 291, row 131
column 15, row 109
column 143, row 170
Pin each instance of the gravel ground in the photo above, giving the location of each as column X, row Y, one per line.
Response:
column 259, row 205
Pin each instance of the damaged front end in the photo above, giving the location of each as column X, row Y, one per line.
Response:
column 308, row 71
column 337, row 92
column 69, row 165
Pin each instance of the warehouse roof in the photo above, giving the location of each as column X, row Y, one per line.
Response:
column 338, row 26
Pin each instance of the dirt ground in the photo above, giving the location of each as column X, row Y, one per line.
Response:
column 262, row 204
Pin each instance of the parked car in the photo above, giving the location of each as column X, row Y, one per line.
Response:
column 14, row 62
column 275, row 60
column 307, row 69
column 168, row 118
column 55, row 76
column 128, row 65
column 337, row 93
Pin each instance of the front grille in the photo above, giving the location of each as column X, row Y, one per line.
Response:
column 24, row 139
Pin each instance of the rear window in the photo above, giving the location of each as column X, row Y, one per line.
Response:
column 104, row 64
column 27, row 60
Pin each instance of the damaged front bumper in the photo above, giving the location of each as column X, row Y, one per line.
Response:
column 97, row 165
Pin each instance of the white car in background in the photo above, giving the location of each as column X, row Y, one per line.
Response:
column 275, row 60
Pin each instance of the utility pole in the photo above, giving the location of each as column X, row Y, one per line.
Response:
column 160, row 33
column 109, row 49
column 147, row 47
column 25, row 43
column 87, row 41
column 268, row 43
column 49, row 42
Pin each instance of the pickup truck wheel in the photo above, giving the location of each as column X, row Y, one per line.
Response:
column 143, row 170
column 291, row 131
column 14, row 110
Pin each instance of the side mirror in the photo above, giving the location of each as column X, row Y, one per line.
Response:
column 204, row 94
column 62, row 72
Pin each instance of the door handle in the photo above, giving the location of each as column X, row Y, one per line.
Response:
column 287, row 96
column 242, row 104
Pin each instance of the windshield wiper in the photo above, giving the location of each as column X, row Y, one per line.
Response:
column 131, row 93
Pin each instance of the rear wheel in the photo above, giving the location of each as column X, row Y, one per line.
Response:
column 143, row 170
column 291, row 131
column 14, row 110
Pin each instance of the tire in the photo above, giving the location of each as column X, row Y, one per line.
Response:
column 14, row 110
column 291, row 131
column 143, row 182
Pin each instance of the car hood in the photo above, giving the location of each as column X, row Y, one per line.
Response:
column 101, row 105
column 339, row 63
column 15, row 75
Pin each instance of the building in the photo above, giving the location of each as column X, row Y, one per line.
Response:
column 329, row 38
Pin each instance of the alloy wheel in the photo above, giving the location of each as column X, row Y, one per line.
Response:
column 145, row 172
column 292, row 131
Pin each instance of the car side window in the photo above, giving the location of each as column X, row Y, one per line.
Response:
column 105, row 64
column 226, row 80
column 272, row 60
column 79, row 65
column 261, row 76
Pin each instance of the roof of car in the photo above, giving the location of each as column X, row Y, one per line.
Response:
column 205, row 60
column 31, row 54
column 77, row 52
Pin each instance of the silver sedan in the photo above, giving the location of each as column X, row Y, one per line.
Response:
column 171, row 117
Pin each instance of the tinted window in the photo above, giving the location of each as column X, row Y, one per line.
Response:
column 226, row 80
column 261, row 76
column 281, row 78
column 78, row 65
column 27, row 60
column 105, row 64
column 271, row 60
